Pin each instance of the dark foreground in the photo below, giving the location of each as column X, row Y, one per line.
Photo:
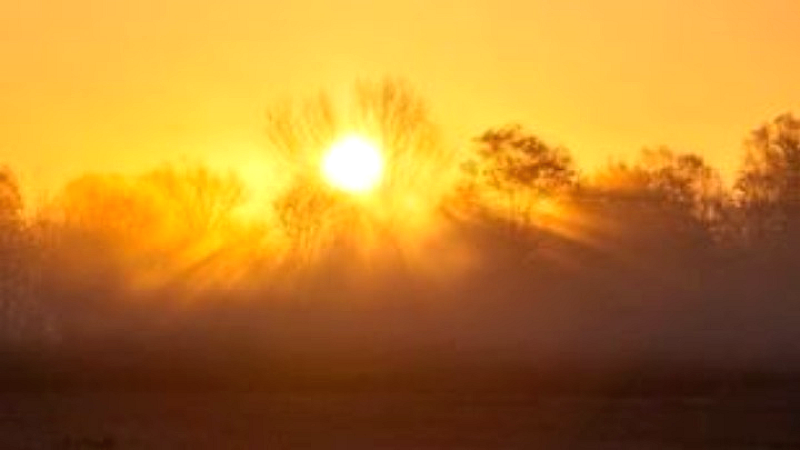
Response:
column 755, row 418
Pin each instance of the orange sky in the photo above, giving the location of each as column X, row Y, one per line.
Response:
column 122, row 85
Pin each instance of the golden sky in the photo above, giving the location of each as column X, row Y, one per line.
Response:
column 124, row 85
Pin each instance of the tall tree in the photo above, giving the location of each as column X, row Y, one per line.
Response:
column 683, row 182
column 418, row 170
column 21, row 314
column 10, row 203
column 515, row 170
column 199, row 198
column 768, row 185
column 12, row 265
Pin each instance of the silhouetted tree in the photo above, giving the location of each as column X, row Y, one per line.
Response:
column 111, row 210
column 306, row 214
column 299, row 132
column 13, row 282
column 10, row 200
column 199, row 199
column 768, row 185
column 22, row 317
column 515, row 170
column 680, row 182
column 418, row 169
column 169, row 224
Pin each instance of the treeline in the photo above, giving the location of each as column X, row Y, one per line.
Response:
column 505, row 226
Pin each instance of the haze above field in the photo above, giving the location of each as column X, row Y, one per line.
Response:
column 96, row 85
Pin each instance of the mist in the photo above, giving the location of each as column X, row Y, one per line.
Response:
column 492, row 256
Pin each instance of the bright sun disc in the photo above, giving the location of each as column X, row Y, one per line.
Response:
column 353, row 164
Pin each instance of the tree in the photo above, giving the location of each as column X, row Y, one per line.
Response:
column 682, row 182
column 515, row 170
column 768, row 185
column 10, row 201
column 21, row 313
column 306, row 214
column 13, row 274
column 112, row 208
column 149, row 228
column 419, row 167
column 418, row 170
column 298, row 133
column 200, row 199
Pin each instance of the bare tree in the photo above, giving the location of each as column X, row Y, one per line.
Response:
column 306, row 213
column 418, row 168
column 518, row 170
column 298, row 132
column 200, row 199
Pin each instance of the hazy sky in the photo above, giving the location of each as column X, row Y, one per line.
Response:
column 122, row 85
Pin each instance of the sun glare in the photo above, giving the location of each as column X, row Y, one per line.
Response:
column 353, row 164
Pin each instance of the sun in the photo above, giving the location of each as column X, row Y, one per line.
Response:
column 353, row 164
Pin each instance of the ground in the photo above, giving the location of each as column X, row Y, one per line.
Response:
column 755, row 419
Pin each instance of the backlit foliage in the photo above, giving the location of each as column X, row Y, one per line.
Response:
column 768, row 186
column 152, row 226
column 419, row 170
column 22, row 316
column 681, row 183
column 515, row 173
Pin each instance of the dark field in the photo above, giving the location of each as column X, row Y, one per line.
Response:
column 762, row 418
